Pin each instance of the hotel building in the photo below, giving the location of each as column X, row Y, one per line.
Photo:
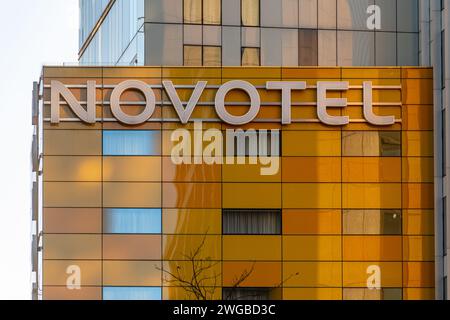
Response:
column 350, row 204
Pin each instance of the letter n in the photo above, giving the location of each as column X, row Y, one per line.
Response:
column 58, row 89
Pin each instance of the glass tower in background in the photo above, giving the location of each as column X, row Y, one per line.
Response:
column 248, row 32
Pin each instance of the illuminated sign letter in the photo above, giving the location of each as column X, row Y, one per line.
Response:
column 323, row 102
column 58, row 89
column 255, row 102
column 286, row 90
column 184, row 113
column 368, row 111
column 149, row 98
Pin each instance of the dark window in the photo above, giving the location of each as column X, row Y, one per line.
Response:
column 390, row 144
column 250, row 294
column 307, row 47
column 392, row 294
column 391, row 222
column 251, row 221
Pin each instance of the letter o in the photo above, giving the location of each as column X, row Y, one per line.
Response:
column 149, row 98
column 255, row 102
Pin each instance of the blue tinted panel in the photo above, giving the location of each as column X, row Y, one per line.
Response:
column 132, row 221
column 131, row 143
column 131, row 293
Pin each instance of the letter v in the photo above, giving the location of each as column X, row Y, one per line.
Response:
column 184, row 113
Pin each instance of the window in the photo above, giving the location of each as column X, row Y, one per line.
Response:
column 250, row 12
column 206, row 11
column 408, row 49
column 386, row 222
column 250, row 294
column 212, row 56
column 356, row 48
column 131, row 143
column 374, row 294
column 132, row 221
column 192, row 56
column 193, row 11
column 202, row 55
column 371, row 144
column 251, row 221
column 250, row 57
column 307, row 47
column 131, row 293
column 212, row 11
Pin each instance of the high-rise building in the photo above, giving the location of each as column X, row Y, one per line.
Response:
column 349, row 204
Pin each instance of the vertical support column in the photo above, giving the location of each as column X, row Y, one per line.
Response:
column 435, row 24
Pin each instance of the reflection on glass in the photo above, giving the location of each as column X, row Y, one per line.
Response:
column 250, row 57
column 131, row 293
column 367, row 294
column 132, row 221
column 192, row 56
column 387, row 222
column 193, row 11
column 212, row 11
column 356, row 48
column 131, row 143
column 212, row 56
column 250, row 12
column 307, row 47
column 371, row 143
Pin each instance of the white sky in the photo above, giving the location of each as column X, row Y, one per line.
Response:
column 32, row 33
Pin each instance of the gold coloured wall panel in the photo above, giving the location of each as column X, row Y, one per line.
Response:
column 346, row 198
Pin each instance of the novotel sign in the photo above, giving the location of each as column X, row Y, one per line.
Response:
column 184, row 110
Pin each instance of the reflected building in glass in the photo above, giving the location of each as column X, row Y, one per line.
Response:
column 370, row 197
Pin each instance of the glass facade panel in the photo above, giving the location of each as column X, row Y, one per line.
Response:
column 386, row 49
column 356, row 48
column 192, row 56
column 110, row 41
column 131, row 143
column 327, row 14
column 307, row 47
column 131, row 293
column 307, row 10
column 372, row 222
column 212, row 56
column 327, row 55
column 132, row 221
column 371, row 143
column 352, row 14
column 193, row 11
column 169, row 11
column 250, row 12
column 235, row 221
column 408, row 48
column 212, row 11
column 250, row 57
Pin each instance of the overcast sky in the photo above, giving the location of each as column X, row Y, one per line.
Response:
column 32, row 33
